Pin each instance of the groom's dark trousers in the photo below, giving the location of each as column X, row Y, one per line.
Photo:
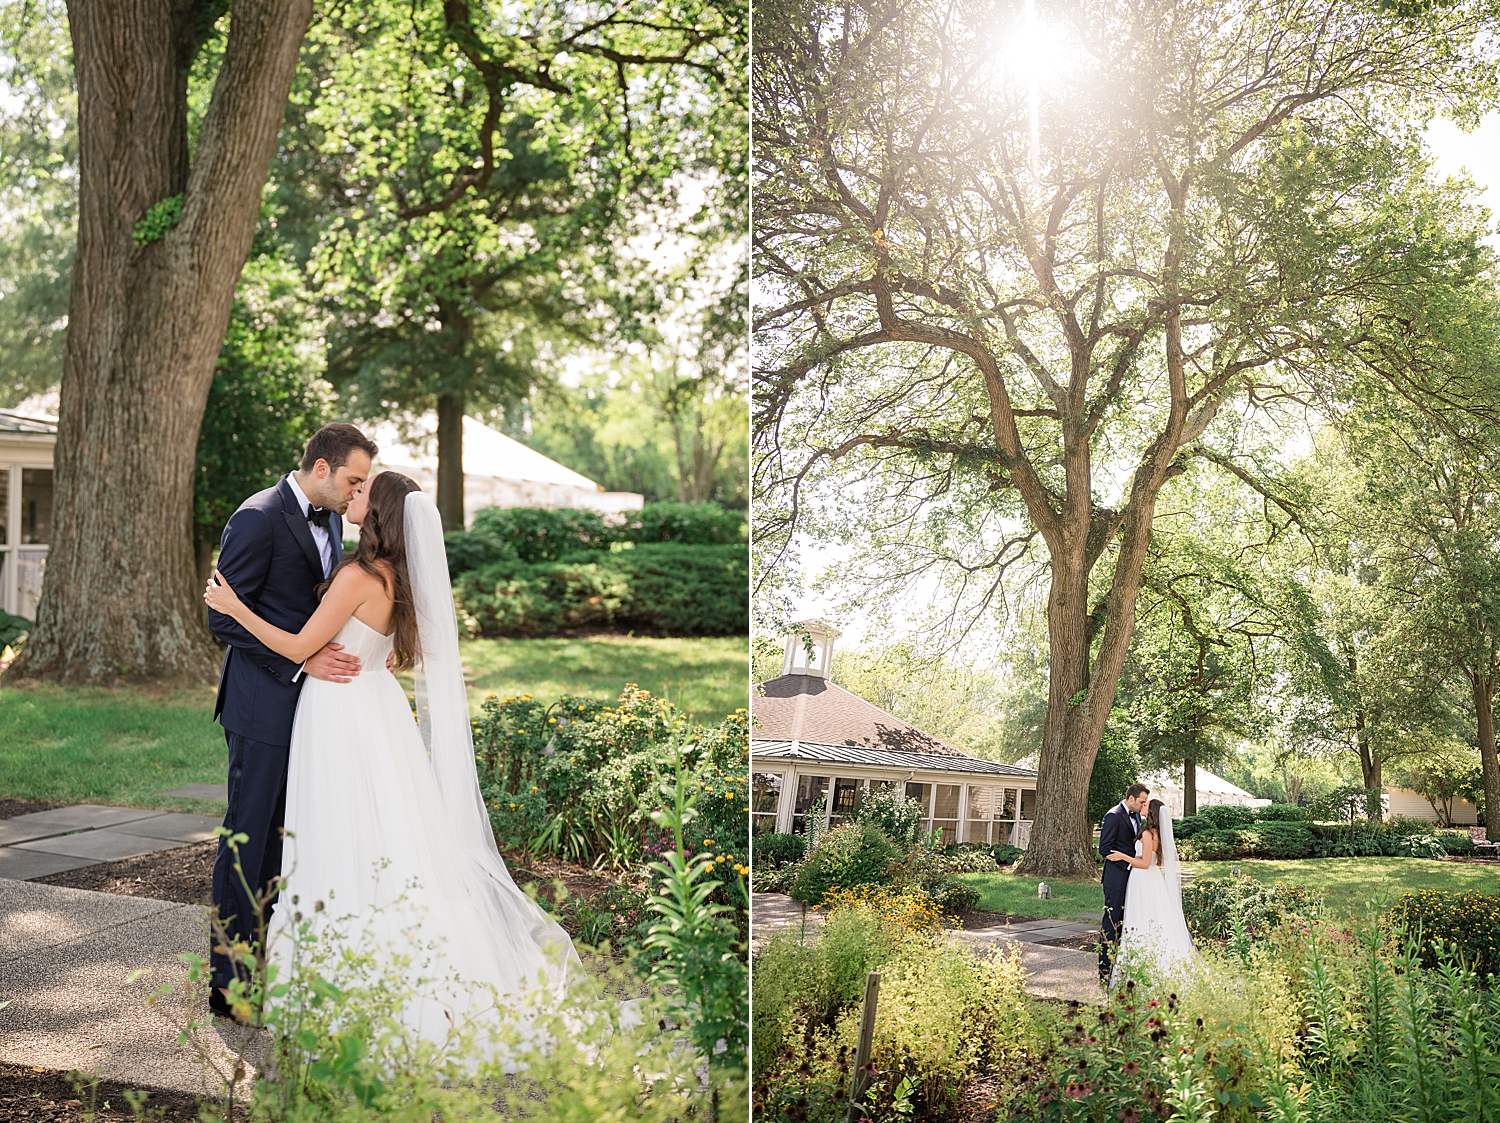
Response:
column 268, row 556
column 1116, row 832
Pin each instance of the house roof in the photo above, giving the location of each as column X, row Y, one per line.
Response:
column 883, row 758
column 13, row 422
column 811, row 709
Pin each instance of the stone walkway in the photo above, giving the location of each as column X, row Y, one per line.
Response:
column 67, row 838
column 64, row 957
column 1051, row 972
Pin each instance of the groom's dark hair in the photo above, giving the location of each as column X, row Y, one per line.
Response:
column 334, row 443
column 1135, row 790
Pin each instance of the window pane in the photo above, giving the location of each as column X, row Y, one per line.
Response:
column 30, row 565
column 920, row 793
column 846, row 796
column 946, row 805
column 36, row 505
column 4, row 506
column 1028, row 803
column 765, row 793
column 979, row 803
column 1008, row 812
column 812, row 792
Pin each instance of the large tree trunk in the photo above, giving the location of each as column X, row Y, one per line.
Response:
column 450, row 474
column 145, row 323
column 1189, row 786
column 1369, row 768
column 1483, row 686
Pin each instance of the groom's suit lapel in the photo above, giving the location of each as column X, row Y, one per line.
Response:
column 336, row 537
column 291, row 510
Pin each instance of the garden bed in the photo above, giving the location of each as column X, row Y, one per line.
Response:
column 39, row 1094
column 184, row 875
column 10, row 808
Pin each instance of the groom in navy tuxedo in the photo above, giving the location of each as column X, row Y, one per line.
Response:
column 1119, row 830
column 276, row 550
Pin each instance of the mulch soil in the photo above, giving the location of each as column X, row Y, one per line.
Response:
column 978, row 918
column 1089, row 941
column 39, row 1095
column 10, row 808
column 184, row 875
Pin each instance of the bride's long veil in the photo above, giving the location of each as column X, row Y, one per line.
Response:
column 1179, row 939
column 443, row 715
column 1169, row 865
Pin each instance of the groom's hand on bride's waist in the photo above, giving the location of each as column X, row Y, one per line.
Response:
column 331, row 664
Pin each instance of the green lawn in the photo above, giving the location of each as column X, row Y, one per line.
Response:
column 125, row 747
column 1005, row 892
column 707, row 676
column 93, row 745
column 1348, row 884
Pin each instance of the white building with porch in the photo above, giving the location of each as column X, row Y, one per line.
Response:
column 26, row 504
column 816, row 750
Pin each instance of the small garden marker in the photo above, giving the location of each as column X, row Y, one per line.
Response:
column 866, row 1039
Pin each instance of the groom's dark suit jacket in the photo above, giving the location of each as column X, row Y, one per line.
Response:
column 1116, row 832
column 269, row 558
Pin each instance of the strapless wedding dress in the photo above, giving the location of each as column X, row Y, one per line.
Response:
column 369, row 836
column 1154, row 934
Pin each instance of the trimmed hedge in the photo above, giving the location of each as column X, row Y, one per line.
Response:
column 1467, row 920
column 544, row 534
column 666, row 588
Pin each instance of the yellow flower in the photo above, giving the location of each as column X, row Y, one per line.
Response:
column 512, row 806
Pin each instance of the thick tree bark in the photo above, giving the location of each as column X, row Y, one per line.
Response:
column 146, row 323
column 450, row 474
column 1369, row 767
column 1483, row 686
column 1189, row 786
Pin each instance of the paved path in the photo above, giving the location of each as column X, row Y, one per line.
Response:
column 67, row 838
column 1050, row 971
column 64, row 957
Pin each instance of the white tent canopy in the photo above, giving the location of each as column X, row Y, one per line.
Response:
column 498, row 470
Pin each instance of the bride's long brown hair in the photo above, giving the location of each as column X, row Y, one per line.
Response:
column 382, row 553
column 1152, row 822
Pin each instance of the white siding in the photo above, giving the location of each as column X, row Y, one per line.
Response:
column 1400, row 801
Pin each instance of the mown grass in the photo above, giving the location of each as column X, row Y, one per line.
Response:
column 1005, row 892
column 126, row 747
column 1348, row 885
column 707, row 676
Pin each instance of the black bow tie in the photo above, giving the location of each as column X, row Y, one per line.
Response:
column 318, row 516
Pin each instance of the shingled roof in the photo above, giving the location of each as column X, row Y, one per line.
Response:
column 812, row 709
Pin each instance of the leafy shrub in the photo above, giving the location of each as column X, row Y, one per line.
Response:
column 1280, row 839
column 967, row 857
column 956, row 898
column 907, row 909
column 1459, row 845
column 1467, row 920
column 895, row 816
column 685, row 590
column 526, row 534
column 1222, row 818
column 1005, row 854
column 775, row 850
column 665, row 588
column 816, row 977
column 1211, row 905
column 1216, row 845
column 697, row 524
column 11, row 627
column 1283, row 813
column 852, row 854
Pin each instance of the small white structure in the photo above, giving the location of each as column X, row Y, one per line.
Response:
column 816, row 751
column 1213, row 791
column 26, row 505
column 499, row 471
column 1414, row 805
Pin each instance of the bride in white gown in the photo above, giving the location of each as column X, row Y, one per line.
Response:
column 385, row 822
column 1154, row 934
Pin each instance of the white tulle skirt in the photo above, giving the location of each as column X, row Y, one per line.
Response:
column 1154, row 936
column 370, row 838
